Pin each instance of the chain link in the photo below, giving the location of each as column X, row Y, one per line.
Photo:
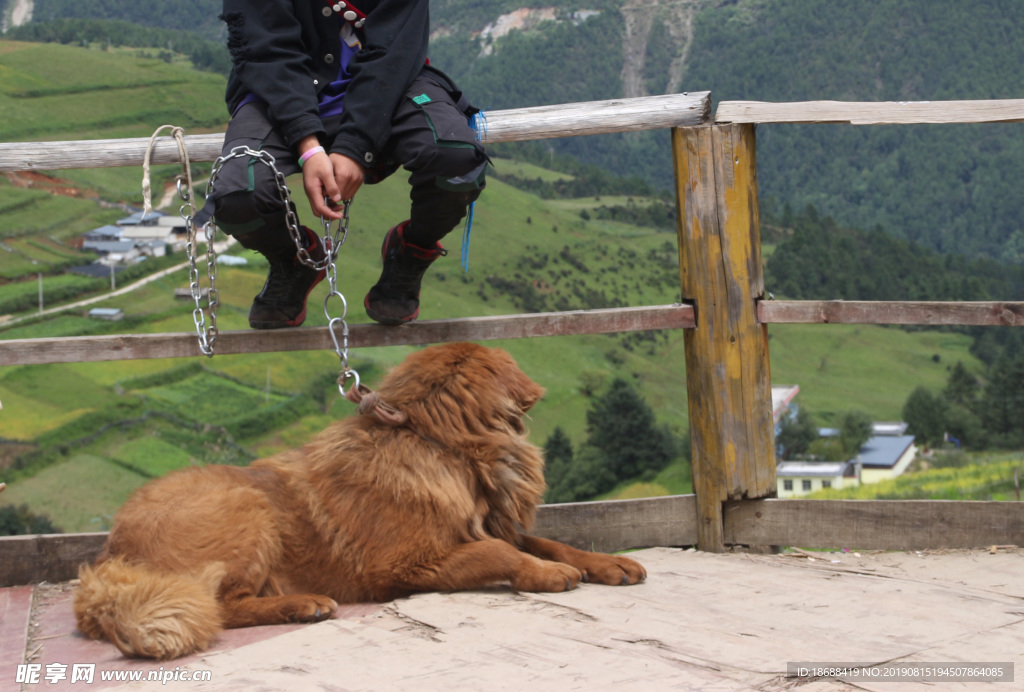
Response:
column 331, row 243
column 207, row 335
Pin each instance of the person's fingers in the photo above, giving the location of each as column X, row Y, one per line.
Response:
column 349, row 176
column 318, row 179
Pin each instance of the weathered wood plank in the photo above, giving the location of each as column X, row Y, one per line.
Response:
column 622, row 524
column 875, row 524
column 598, row 117
column 982, row 313
column 184, row 344
column 879, row 113
column 727, row 372
column 664, row 521
column 604, row 526
column 51, row 557
column 736, row 171
column 543, row 122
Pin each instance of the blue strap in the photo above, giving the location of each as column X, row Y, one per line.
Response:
column 465, row 237
column 479, row 124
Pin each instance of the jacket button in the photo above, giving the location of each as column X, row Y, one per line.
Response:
column 326, row 11
column 368, row 157
column 328, row 58
column 316, row 82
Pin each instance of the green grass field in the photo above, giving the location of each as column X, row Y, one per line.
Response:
column 80, row 494
column 151, row 457
column 986, row 476
column 107, row 94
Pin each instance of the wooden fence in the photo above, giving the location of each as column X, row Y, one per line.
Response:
column 725, row 316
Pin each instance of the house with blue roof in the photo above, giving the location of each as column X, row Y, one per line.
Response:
column 887, row 454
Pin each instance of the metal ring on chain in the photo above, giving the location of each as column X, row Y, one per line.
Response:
column 344, row 376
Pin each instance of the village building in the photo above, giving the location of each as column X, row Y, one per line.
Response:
column 886, row 454
column 132, row 239
column 111, row 314
column 154, row 231
column 797, row 478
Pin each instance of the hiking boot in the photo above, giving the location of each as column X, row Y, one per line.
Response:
column 395, row 298
column 282, row 302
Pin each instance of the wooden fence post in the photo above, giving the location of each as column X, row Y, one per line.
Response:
column 727, row 370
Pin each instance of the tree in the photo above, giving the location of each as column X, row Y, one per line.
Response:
column 855, row 428
column 925, row 415
column 623, row 443
column 965, row 427
column 1002, row 404
column 558, row 459
column 796, row 433
column 19, row 521
column 961, row 387
column 621, row 426
column 587, row 476
column 828, row 449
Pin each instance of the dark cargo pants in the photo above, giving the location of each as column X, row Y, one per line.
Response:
column 430, row 137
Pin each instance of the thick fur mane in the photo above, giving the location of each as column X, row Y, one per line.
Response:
column 451, row 400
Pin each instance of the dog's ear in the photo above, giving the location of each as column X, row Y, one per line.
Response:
column 523, row 390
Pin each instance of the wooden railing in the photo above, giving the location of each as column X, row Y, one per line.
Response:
column 725, row 316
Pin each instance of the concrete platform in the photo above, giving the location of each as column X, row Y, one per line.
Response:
column 701, row 622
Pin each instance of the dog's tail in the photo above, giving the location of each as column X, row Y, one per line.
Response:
column 147, row 614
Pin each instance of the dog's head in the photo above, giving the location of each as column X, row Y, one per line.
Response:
column 461, row 388
column 472, row 400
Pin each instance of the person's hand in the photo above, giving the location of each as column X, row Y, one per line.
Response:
column 348, row 174
column 334, row 178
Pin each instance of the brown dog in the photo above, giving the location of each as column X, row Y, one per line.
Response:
column 429, row 491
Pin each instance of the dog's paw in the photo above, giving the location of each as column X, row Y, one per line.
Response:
column 542, row 575
column 613, row 570
column 312, row 608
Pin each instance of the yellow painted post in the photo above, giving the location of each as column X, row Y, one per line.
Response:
column 727, row 370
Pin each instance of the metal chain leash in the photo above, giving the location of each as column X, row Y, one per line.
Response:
column 331, row 243
column 333, row 323
column 207, row 335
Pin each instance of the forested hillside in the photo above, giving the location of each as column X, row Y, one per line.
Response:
column 196, row 16
column 951, row 188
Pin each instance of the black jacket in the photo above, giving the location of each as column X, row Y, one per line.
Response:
column 286, row 51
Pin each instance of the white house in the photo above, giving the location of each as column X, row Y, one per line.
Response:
column 797, row 478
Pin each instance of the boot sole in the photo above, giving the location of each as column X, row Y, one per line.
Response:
column 386, row 319
column 295, row 321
